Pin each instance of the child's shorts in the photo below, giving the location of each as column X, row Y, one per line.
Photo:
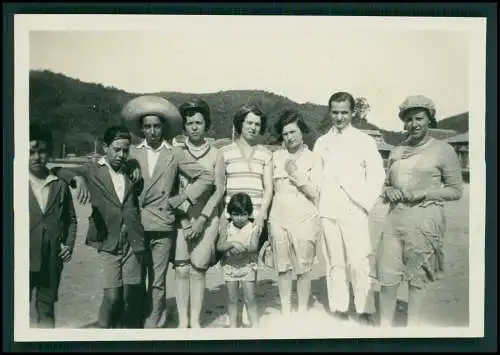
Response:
column 239, row 273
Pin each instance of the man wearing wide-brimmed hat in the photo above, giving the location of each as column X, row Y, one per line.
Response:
column 157, row 119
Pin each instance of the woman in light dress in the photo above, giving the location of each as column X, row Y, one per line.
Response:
column 294, row 224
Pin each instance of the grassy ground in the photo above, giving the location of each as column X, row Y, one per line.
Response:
column 446, row 303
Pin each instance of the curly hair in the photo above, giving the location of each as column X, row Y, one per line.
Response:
column 241, row 114
column 191, row 107
column 290, row 116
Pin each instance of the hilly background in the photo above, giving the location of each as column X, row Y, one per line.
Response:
column 79, row 112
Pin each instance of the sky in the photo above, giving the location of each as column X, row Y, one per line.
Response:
column 306, row 59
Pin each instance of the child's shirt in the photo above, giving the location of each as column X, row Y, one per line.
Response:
column 244, row 236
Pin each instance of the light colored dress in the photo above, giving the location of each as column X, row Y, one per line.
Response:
column 294, row 221
column 243, row 266
column 411, row 246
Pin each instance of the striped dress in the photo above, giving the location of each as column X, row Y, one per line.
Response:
column 245, row 175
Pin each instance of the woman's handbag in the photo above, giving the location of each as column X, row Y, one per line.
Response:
column 266, row 257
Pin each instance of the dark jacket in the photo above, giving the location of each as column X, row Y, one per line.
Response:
column 108, row 213
column 51, row 228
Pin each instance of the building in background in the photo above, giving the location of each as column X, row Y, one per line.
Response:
column 461, row 144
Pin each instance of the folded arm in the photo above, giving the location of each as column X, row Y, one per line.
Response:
column 451, row 176
column 222, row 244
column 68, row 174
column 220, row 187
column 75, row 177
column 191, row 169
column 310, row 186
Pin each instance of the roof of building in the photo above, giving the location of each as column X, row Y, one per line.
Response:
column 382, row 145
column 372, row 132
column 459, row 138
column 442, row 134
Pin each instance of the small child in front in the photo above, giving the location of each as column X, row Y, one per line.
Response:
column 239, row 261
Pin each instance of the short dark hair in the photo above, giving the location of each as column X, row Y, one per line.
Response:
column 342, row 96
column 42, row 133
column 114, row 133
column 290, row 116
column 241, row 114
column 432, row 118
column 164, row 124
column 240, row 203
column 189, row 108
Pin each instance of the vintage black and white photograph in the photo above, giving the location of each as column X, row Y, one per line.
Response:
column 248, row 177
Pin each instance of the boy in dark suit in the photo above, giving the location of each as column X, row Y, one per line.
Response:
column 115, row 230
column 52, row 227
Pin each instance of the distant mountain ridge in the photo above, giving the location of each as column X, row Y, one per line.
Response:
column 79, row 112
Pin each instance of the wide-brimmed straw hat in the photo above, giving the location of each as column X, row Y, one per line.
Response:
column 153, row 105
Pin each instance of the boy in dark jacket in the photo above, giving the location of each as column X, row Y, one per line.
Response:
column 115, row 230
column 52, row 227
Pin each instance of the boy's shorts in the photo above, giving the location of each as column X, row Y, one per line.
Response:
column 120, row 269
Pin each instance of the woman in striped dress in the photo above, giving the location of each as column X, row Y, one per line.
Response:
column 248, row 169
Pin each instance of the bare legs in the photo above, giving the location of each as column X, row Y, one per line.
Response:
column 250, row 302
column 190, row 291
column 232, row 302
column 303, row 292
column 182, row 294
column 196, row 294
column 388, row 300
column 415, row 300
column 285, row 290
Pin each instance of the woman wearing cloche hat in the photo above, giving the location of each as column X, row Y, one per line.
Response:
column 156, row 119
column 422, row 174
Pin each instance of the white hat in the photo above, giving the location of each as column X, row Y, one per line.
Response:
column 153, row 105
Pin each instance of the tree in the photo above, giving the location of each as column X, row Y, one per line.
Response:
column 361, row 109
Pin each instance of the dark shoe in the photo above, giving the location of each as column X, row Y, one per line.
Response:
column 344, row 316
column 366, row 319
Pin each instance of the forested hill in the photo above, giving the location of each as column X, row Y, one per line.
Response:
column 79, row 112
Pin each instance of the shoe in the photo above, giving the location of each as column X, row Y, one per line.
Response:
column 343, row 316
column 366, row 319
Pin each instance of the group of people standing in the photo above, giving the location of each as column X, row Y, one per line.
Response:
column 242, row 206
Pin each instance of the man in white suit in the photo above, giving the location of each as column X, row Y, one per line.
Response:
column 353, row 178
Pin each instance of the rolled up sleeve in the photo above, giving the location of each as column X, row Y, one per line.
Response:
column 201, row 179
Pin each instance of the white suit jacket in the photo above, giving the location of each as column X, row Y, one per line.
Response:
column 353, row 171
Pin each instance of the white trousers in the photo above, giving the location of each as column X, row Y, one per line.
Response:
column 347, row 249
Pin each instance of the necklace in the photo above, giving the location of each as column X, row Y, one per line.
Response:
column 197, row 151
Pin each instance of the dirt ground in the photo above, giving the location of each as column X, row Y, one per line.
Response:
column 446, row 304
